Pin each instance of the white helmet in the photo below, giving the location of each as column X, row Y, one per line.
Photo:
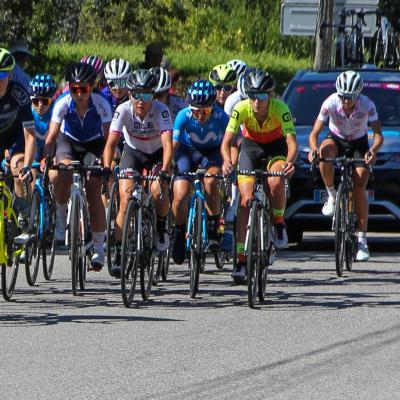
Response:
column 349, row 83
column 238, row 65
column 117, row 69
column 164, row 79
column 240, row 82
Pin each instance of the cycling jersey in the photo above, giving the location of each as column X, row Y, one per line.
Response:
column 175, row 104
column 278, row 122
column 42, row 123
column 143, row 135
column 21, row 77
column 191, row 133
column 349, row 128
column 90, row 127
column 114, row 102
column 15, row 115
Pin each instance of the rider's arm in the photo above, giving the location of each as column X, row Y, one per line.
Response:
column 313, row 139
column 166, row 140
column 377, row 143
column 50, row 145
column 233, row 125
column 29, row 135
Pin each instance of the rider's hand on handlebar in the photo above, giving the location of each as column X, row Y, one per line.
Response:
column 227, row 167
column 313, row 156
column 370, row 157
column 288, row 168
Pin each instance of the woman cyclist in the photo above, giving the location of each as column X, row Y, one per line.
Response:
column 83, row 118
column 224, row 79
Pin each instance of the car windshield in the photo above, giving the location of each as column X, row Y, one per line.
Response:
column 305, row 99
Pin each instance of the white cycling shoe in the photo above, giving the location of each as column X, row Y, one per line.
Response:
column 329, row 207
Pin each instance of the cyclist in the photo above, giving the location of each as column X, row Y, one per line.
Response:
column 147, row 130
column 198, row 133
column 17, row 130
column 173, row 102
column 268, row 133
column 224, row 79
column 83, row 117
column 349, row 113
column 42, row 87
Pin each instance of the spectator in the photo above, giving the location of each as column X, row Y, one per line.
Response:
column 19, row 49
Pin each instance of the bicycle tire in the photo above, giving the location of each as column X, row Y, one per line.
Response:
column 129, row 254
column 351, row 237
column 149, row 253
column 9, row 272
column 264, row 257
column 253, row 252
column 195, row 249
column 112, row 210
column 168, row 252
column 75, row 243
column 32, row 248
column 48, row 243
column 340, row 229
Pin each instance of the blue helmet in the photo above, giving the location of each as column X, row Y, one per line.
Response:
column 43, row 85
column 202, row 93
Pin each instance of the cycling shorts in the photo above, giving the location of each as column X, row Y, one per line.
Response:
column 68, row 149
column 354, row 148
column 14, row 144
column 255, row 155
column 137, row 160
column 188, row 160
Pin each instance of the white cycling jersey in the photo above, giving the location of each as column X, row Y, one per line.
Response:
column 354, row 126
column 232, row 100
column 145, row 135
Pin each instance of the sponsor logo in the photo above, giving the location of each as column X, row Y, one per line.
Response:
column 235, row 114
column 20, row 95
column 116, row 115
column 165, row 114
column 209, row 138
column 286, row 117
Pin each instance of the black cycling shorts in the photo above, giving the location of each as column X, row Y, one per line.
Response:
column 69, row 149
column 137, row 160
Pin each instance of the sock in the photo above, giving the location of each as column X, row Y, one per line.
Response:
column 362, row 237
column 98, row 241
column 278, row 215
column 331, row 192
column 240, row 251
column 160, row 225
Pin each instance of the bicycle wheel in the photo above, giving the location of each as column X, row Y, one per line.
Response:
column 340, row 229
column 75, row 243
column 9, row 271
column 32, row 248
column 129, row 254
column 149, row 252
column 264, row 255
column 195, row 250
column 351, row 236
column 253, row 252
column 112, row 211
column 168, row 252
column 48, row 244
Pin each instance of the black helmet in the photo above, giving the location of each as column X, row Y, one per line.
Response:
column 259, row 81
column 142, row 79
column 81, row 73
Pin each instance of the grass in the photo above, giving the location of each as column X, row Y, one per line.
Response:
column 191, row 63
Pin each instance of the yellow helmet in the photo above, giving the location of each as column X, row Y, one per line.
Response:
column 223, row 73
column 7, row 62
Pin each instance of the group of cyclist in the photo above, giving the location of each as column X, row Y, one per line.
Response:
column 232, row 121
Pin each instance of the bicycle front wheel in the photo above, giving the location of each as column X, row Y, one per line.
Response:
column 265, row 255
column 75, row 243
column 48, row 244
column 129, row 254
column 253, row 253
column 32, row 248
column 195, row 250
column 112, row 211
column 340, row 229
column 351, row 236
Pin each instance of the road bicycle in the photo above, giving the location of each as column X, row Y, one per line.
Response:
column 344, row 221
column 79, row 237
column 42, row 216
column 197, row 237
column 138, row 250
column 259, row 245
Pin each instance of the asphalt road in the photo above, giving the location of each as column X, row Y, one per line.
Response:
column 316, row 337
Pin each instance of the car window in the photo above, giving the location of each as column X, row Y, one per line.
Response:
column 305, row 99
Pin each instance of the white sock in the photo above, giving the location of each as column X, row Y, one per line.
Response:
column 98, row 241
column 362, row 237
column 331, row 191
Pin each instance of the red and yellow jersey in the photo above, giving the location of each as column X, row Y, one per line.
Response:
column 277, row 124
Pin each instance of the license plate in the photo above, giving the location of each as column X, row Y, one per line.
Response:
column 321, row 196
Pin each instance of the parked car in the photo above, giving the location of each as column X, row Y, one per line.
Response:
column 304, row 96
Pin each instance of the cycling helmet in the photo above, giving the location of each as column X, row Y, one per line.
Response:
column 117, row 69
column 164, row 79
column 7, row 62
column 240, row 82
column 223, row 73
column 43, row 85
column 259, row 81
column 81, row 73
column 238, row 65
column 96, row 62
column 202, row 94
column 349, row 83
column 142, row 79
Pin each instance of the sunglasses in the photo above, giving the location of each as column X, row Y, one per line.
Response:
column 46, row 101
column 79, row 88
column 117, row 83
column 351, row 97
column 140, row 96
column 258, row 96
column 201, row 111
column 4, row 75
column 227, row 88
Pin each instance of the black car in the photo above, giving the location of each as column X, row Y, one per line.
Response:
column 304, row 96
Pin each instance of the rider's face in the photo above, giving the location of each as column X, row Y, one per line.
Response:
column 4, row 84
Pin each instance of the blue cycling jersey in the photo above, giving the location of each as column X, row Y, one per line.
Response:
column 42, row 123
column 189, row 131
column 85, row 129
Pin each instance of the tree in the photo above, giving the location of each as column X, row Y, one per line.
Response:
column 323, row 49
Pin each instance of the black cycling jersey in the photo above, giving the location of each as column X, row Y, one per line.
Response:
column 15, row 115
